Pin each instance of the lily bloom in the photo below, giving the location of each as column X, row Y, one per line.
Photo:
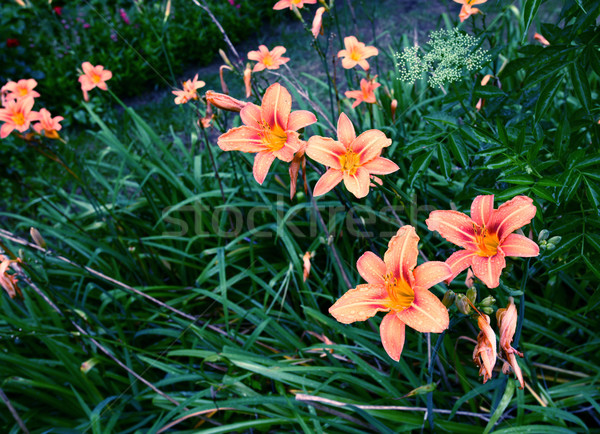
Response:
column 20, row 89
column 270, row 131
column 317, row 22
column 507, row 325
column 224, row 102
column 394, row 285
column 17, row 115
column 366, row 92
column 282, row 4
column 487, row 236
column 466, row 11
column 485, row 352
column 189, row 91
column 541, row 39
column 356, row 53
column 93, row 76
column 268, row 59
column 48, row 124
column 350, row 158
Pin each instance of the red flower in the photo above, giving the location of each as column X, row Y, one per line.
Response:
column 57, row 10
column 12, row 42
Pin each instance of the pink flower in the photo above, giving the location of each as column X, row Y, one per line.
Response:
column 282, row 4
column 487, row 236
column 93, row 76
column 317, row 22
column 268, row 59
column 124, row 16
column 394, row 285
column 356, row 53
column 189, row 91
column 47, row 124
column 20, row 89
column 350, row 158
column 17, row 115
column 270, row 131
column 366, row 92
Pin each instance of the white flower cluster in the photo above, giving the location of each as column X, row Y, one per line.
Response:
column 446, row 54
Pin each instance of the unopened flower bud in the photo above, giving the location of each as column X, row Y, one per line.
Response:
column 225, row 58
column 462, row 304
column 543, row 235
column 449, row 298
column 554, row 241
column 488, row 301
column 472, row 294
column 394, row 106
column 224, row 102
column 37, row 237
column 488, row 310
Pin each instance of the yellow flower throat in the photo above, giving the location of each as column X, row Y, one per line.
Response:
column 401, row 295
column 350, row 162
column 487, row 242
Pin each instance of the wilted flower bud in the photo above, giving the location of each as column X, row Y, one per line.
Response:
column 488, row 301
column 470, row 280
column 248, row 80
column 88, row 365
column 507, row 325
column 462, row 304
column 449, row 298
column 37, row 237
column 485, row 353
column 543, row 235
column 472, row 294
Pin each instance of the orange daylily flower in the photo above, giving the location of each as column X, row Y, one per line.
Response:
column 270, row 131
column 17, row 115
column 487, row 236
column 350, row 158
column 466, row 11
column 93, row 76
column 19, row 89
column 394, row 285
column 507, row 325
column 189, row 91
column 282, row 4
column 366, row 92
column 484, row 81
column 8, row 282
column 48, row 125
column 317, row 22
column 540, row 38
column 224, row 102
column 268, row 59
column 356, row 53
column 485, row 352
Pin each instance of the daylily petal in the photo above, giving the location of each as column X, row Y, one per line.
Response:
column 276, row 106
column 454, row 226
column 243, row 139
column 392, row 331
column 401, row 255
column 381, row 166
column 262, row 163
column 431, row 273
column 5, row 130
column 345, row 130
column 364, row 64
column 370, row 144
column 482, row 209
column 519, row 245
column 358, row 183
column 371, row 268
column 359, row 304
column 251, row 116
column 489, row 268
column 326, row 151
column 87, row 67
column 427, row 314
column 512, row 215
column 300, row 119
column 459, row 261
column 348, row 63
column 330, row 179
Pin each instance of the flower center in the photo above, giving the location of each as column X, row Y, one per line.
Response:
column 350, row 162
column 18, row 119
column 274, row 138
column 355, row 55
column 295, row 2
column 95, row 78
column 400, row 294
column 23, row 91
column 487, row 243
column 268, row 60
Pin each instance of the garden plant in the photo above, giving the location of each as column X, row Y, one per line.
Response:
column 347, row 222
